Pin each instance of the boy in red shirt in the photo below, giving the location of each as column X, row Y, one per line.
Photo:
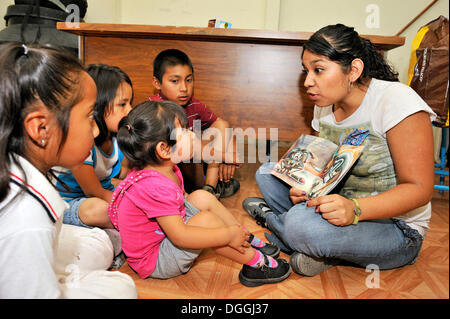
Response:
column 173, row 77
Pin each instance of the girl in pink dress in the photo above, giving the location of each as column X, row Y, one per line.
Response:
column 163, row 229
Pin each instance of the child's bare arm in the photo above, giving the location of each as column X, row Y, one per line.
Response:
column 90, row 184
column 123, row 169
column 222, row 140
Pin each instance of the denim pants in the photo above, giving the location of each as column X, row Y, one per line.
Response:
column 387, row 243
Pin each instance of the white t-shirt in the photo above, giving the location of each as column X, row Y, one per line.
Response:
column 384, row 106
column 29, row 228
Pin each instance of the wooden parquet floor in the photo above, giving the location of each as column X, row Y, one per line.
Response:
column 215, row 277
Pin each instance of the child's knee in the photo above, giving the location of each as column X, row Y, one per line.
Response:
column 201, row 198
column 94, row 212
column 205, row 218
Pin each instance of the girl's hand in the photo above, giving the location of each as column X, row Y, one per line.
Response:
column 297, row 196
column 239, row 238
column 336, row 209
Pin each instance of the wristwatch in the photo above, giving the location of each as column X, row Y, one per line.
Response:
column 357, row 211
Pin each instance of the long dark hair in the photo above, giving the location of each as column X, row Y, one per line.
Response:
column 107, row 78
column 343, row 44
column 144, row 127
column 27, row 74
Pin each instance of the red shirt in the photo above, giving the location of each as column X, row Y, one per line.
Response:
column 195, row 110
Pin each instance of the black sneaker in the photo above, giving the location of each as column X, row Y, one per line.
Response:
column 211, row 190
column 227, row 189
column 118, row 261
column 257, row 208
column 268, row 250
column 253, row 277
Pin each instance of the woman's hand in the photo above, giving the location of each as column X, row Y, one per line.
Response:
column 336, row 209
column 239, row 238
column 297, row 196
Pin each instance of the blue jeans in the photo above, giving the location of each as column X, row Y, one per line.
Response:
column 71, row 216
column 387, row 243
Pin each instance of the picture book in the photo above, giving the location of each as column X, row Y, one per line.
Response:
column 316, row 165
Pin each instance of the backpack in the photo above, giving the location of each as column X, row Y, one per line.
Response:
column 428, row 70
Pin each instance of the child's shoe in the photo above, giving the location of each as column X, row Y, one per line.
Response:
column 265, row 248
column 253, row 277
column 118, row 261
column 227, row 189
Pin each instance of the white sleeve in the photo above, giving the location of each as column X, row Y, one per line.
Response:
column 27, row 270
column 315, row 120
column 325, row 112
column 397, row 103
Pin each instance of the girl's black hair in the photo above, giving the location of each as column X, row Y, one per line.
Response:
column 108, row 79
column 145, row 126
column 170, row 57
column 29, row 74
column 343, row 44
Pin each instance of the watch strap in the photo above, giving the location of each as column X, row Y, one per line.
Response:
column 357, row 211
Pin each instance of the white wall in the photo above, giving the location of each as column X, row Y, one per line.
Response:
column 3, row 5
column 306, row 15
column 242, row 14
column 283, row 15
column 104, row 11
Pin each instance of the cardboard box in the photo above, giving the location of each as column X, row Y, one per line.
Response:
column 221, row 24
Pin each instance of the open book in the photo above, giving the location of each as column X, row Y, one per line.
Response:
column 316, row 165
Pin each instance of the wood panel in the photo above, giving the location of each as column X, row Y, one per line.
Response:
column 249, row 85
column 251, row 78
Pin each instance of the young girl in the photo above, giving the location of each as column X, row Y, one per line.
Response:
column 46, row 104
column 162, row 231
column 90, row 183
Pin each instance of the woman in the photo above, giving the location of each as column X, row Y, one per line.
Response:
column 379, row 214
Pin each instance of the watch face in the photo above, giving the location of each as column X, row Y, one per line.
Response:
column 357, row 209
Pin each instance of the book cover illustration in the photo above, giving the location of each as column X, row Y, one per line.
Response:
column 316, row 165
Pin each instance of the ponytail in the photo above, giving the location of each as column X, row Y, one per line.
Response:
column 374, row 64
column 343, row 44
column 144, row 127
column 10, row 111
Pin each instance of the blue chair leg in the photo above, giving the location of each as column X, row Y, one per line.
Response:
column 441, row 166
